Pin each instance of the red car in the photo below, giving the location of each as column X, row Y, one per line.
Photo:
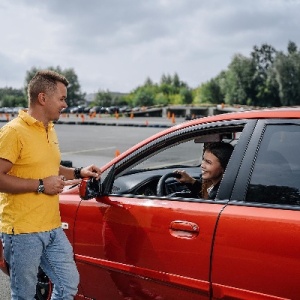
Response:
column 143, row 237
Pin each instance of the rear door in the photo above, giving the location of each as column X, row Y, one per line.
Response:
column 256, row 253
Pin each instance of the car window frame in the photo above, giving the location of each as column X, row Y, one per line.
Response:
column 170, row 139
column 228, row 181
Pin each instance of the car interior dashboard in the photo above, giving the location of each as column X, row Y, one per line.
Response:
column 145, row 182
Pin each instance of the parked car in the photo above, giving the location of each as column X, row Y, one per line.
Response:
column 113, row 109
column 141, row 236
column 98, row 110
column 192, row 117
column 78, row 109
column 66, row 110
column 7, row 110
column 125, row 109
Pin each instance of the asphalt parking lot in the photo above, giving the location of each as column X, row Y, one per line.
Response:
column 88, row 144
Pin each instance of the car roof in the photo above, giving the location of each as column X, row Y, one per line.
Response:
column 275, row 113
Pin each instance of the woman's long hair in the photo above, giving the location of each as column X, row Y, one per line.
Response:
column 223, row 152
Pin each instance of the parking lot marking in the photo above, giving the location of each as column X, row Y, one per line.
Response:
column 87, row 150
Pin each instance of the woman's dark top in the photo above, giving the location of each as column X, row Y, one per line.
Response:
column 197, row 187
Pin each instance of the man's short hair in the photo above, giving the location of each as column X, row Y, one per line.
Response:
column 44, row 81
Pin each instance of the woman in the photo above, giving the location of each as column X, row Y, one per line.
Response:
column 214, row 161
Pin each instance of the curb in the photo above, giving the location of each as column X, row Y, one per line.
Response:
column 114, row 124
column 108, row 124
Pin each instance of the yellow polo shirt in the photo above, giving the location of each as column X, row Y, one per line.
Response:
column 34, row 153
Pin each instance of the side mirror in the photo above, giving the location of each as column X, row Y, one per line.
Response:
column 89, row 188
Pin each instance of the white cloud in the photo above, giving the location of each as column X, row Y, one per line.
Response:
column 116, row 44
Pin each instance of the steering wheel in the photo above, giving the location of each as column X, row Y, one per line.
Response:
column 161, row 189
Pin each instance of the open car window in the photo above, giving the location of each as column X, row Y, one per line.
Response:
column 183, row 152
column 180, row 150
column 142, row 179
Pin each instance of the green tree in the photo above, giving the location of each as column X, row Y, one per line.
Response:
column 175, row 99
column 186, row 95
column 176, row 81
column 75, row 96
column 122, row 101
column 13, row 101
column 144, row 97
column 166, row 89
column 166, row 79
column 171, row 86
column 161, row 99
column 266, row 88
column 10, row 97
column 210, row 92
column 237, row 85
column 128, row 99
column 148, row 82
column 287, row 72
column 103, row 98
column 292, row 48
column 29, row 75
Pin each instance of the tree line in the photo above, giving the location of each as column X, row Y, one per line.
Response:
column 10, row 97
column 267, row 78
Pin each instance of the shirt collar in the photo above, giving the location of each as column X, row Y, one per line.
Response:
column 31, row 120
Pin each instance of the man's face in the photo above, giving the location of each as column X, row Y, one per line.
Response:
column 56, row 101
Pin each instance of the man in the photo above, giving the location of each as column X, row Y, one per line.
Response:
column 31, row 178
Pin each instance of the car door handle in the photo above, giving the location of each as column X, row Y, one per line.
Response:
column 184, row 229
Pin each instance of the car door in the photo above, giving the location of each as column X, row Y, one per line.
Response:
column 256, row 252
column 147, row 247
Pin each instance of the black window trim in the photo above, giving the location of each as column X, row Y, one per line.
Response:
column 229, row 179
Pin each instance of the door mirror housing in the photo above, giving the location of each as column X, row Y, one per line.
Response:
column 90, row 188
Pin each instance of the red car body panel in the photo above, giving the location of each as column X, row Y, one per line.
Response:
column 128, row 230
column 3, row 265
column 268, row 254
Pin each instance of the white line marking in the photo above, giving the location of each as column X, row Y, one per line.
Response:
column 87, row 150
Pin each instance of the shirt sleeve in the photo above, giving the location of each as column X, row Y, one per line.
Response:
column 10, row 144
column 195, row 188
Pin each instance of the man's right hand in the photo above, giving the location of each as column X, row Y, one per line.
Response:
column 54, row 184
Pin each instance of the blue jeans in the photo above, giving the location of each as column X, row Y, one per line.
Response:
column 51, row 251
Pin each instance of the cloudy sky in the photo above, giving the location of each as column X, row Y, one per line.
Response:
column 116, row 44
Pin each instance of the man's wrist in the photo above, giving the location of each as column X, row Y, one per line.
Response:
column 41, row 187
column 77, row 173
